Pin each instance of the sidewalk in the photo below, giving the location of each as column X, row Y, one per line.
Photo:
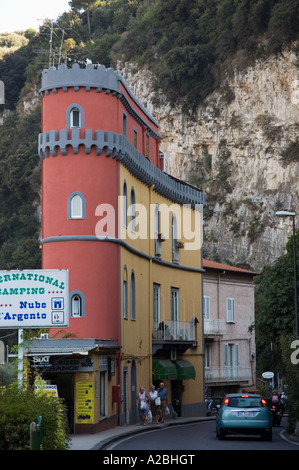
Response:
column 99, row 440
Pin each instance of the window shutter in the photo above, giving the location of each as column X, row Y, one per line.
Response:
column 226, row 355
column 230, row 310
column 206, row 307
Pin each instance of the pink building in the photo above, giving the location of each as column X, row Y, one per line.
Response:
column 228, row 305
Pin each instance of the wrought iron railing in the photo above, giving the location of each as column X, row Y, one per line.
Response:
column 175, row 330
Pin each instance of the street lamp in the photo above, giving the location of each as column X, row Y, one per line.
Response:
column 293, row 214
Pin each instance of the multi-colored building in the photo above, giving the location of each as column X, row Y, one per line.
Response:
column 230, row 351
column 130, row 236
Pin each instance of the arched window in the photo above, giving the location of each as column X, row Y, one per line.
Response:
column 158, row 247
column 124, row 124
column 77, row 304
column 76, row 206
column 133, row 297
column 74, row 116
column 175, row 250
column 133, row 211
column 125, row 293
column 125, row 198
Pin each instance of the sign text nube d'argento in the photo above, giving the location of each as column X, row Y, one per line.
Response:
column 27, row 316
column 28, row 277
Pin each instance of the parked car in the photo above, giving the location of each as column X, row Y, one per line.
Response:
column 244, row 414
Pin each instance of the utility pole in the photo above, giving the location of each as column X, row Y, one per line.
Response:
column 51, row 46
column 54, row 54
column 2, row 93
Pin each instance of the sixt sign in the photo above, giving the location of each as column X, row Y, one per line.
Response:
column 34, row 299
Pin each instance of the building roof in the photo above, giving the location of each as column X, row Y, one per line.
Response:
column 225, row 267
column 60, row 346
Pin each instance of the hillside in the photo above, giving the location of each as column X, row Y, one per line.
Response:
column 221, row 79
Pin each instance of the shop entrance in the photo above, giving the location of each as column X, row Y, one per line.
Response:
column 65, row 386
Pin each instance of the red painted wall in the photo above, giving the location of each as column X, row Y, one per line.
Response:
column 101, row 110
column 93, row 265
column 94, row 270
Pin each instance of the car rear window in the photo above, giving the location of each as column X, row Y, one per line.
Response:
column 244, row 402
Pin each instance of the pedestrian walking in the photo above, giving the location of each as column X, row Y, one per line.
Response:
column 163, row 392
column 154, row 406
column 142, row 403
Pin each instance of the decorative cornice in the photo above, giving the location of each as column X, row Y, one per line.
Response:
column 123, row 244
column 118, row 146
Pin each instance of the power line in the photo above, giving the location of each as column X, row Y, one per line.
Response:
column 55, row 54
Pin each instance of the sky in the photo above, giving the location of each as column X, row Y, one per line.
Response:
column 16, row 15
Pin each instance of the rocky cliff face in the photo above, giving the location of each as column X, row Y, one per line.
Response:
column 242, row 149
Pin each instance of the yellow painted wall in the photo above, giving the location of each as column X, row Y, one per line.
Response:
column 136, row 335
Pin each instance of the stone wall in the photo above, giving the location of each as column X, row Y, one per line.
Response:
column 241, row 149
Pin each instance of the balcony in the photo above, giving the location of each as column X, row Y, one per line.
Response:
column 175, row 331
column 227, row 374
column 170, row 335
column 214, row 327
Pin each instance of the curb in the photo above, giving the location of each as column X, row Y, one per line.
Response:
column 101, row 445
column 289, row 438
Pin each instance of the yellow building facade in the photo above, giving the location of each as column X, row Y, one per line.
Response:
column 161, row 296
column 130, row 236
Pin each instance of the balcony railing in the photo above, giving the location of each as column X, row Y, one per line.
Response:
column 175, row 331
column 227, row 374
column 214, row 327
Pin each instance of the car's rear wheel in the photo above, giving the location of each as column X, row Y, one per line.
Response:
column 221, row 434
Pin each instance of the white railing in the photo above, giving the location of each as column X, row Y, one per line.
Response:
column 214, row 327
column 175, row 331
column 227, row 374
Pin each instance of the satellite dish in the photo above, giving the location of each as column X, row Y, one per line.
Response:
column 268, row 375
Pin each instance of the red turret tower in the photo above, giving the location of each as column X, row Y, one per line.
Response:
column 87, row 117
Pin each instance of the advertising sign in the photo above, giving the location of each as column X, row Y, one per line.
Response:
column 84, row 402
column 34, row 299
column 268, row 375
column 58, row 364
column 49, row 389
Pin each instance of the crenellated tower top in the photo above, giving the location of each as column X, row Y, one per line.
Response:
column 98, row 77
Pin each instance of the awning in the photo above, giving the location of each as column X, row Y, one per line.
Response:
column 185, row 370
column 164, row 369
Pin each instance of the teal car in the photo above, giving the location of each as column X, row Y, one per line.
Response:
column 244, row 414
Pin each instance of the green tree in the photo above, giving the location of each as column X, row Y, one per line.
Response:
column 87, row 6
column 18, row 408
column 275, row 324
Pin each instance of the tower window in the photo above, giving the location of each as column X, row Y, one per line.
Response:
column 124, row 124
column 135, row 139
column 74, row 116
column 77, row 304
column 76, row 206
column 147, row 145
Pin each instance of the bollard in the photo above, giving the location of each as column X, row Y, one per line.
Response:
column 36, row 434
